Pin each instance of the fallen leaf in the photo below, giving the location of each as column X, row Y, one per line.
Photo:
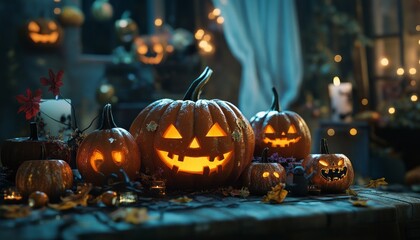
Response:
column 376, row 183
column 276, row 195
column 14, row 211
column 79, row 199
column 359, row 202
column 131, row 215
column 230, row 191
column 183, row 199
column 351, row 192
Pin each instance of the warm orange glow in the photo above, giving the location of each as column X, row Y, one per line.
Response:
column 96, row 160
column 169, row 48
column 265, row 174
column 292, row 129
column 199, row 34
column 33, row 27
column 414, row 98
column 194, row 143
column 158, row 48
column 384, row 61
column 156, row 55
column 269, row 129
column 142, row 49
column 336, row 81
column 340, row 162
column 391, row 110
column 117, row 156
column 338, row 58
column 37, row 37
column 216, row 131
column 57, row 10
column 365, row 101
column 412, row 71
column 158, row 22
column 52, row 26
column 216, row 12
column 353, row 131
column 172, row 133
column 194, row 165
column 400, row 71
column 220, row 20
column 330, row 132
column 323, row 163
column 281, row 142
column 276, row 174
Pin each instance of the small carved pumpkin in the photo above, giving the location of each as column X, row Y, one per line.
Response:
column 52, row 177
column 194, row 143
column 284, row 132
column 42, row 33
column 261, row 176
column 150, row 49
column 15, row 151
column 106, row 150
column 331, row 172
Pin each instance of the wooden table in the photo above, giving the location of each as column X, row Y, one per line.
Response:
column 388, row 215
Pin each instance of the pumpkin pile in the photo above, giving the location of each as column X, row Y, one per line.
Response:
column 194, row 143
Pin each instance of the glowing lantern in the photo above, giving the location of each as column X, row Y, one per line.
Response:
column 150, row 49
column 332, row 172
column 284, row 132
column 194, row 143
column 107, row 150
column 42, row 33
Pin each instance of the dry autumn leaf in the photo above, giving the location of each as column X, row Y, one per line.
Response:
column 14, row 211
column 131, row 215
column 183, row 199
column 376, row 183
column 359, row 202
column 72, row 201
column 230, row 191
column 351, row 192
column 276, row 195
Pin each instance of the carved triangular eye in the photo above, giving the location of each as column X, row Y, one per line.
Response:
column 33, row 27
column 269, row 129
column 172, row 133
column 323, row 163
column 216, row 131
column 96, row 160
column 292, row 129
column 118, row 157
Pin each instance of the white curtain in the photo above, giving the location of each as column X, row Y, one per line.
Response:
column 264, row 36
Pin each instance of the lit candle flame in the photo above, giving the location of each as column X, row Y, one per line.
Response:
column 336, row 81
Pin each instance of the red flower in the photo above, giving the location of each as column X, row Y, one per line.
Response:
column 54, row 82
column 29, row 103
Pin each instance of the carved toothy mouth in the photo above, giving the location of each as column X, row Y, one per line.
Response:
column 334, row 174
column 194, row 165
column 281, row 142
column 44, row 38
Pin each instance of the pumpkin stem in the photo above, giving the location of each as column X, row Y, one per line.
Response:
column 194, row 91
column 264, row 155
column 33, row 131
column 107, row 118
column 324, row 146
column 275, row 106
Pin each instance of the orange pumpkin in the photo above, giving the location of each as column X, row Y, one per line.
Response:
column 106, row 151
column 52, row 177
column 260, row 177
column 284, row 132
column 331, row 172
column 194, row 143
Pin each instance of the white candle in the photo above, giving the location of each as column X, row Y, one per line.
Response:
column 341, row 100
column 54, row 118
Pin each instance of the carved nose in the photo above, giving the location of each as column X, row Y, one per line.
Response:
column 194, row 143
column 283, row 134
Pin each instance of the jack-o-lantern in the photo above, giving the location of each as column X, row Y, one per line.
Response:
column 150, row 49
column 260, row 177
column 42, row 33
column 284, row 132
column 194, row 143
column 331, row 172
column 106, row 151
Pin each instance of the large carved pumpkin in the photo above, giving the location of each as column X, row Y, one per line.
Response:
column 284, row 132
column 15, row 151
column 52, row 177
column 261, row 176
column 106, row 151
column 194, row 143
column 331, row 172
column 42, row 33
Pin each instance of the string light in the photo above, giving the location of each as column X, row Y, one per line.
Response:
column 365, row 101
column 400, row 71
column 413, row 83
column 57, row 10
column 330, row 132
column 220, row 20
column 414, row 98
column 199, row 34
column 384, row 61
column 337, row 58
column 336, row 81
column 158, row 22
column 353, row 131
column 412, row 71
column 391, row 110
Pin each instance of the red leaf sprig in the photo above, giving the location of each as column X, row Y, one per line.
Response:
column 54, row 82
column 29, row 103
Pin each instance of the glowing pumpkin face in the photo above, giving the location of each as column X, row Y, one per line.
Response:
column 193, row 143
column 106, row 151
column 331, row 172
column 284, row 132
column 43, row 33
column 150, row 50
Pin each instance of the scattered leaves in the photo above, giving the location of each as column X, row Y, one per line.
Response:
column 351, row 192
column 376, row 183
column 230, row 191
column 14, row 211
column 359, row 202
column 79, row 199
column 276, row 195
column 131, row 215
column 183, row 199
column 29, row 103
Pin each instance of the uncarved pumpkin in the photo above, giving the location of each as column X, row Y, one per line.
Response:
column 194, row 143
column 106, row 151
column 52, row 177
column 331, row 172
column 284, row 132
column 260, row 177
